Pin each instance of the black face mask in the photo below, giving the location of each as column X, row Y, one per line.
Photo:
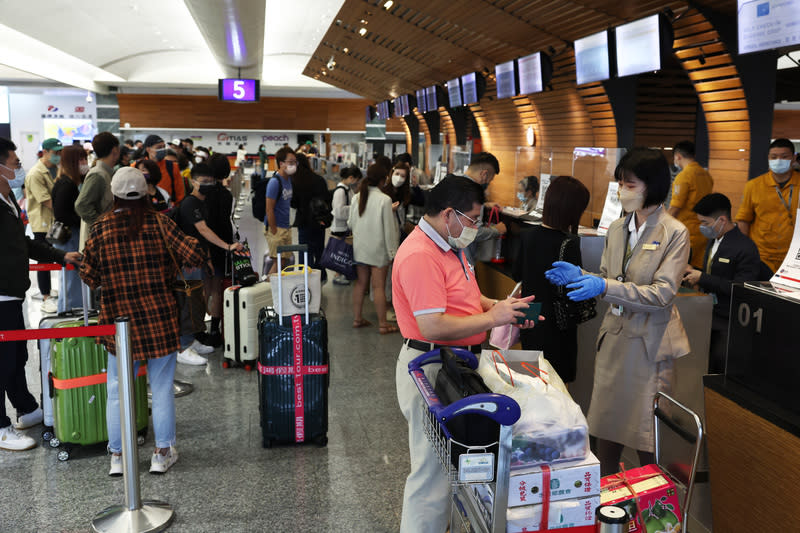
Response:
column 206, row 188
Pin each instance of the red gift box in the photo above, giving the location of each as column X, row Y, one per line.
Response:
column 648, row 495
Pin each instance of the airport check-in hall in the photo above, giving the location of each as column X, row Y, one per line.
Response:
column 394, row 265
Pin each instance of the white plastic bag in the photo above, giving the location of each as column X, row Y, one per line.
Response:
column 551, row 427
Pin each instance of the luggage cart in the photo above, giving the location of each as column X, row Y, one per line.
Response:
column 470, row 511
column 684, row 479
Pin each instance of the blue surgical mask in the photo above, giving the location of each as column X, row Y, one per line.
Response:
column 708, row 231
column 19, row 177
column 521, row 196
column 161, row 153
column 780, row 166
column 55, row 159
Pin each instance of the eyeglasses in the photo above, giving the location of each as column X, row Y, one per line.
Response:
column 472, row 221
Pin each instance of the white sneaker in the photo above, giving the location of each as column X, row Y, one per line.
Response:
column 159, row 464
column 30, row 419
column 201, row 348
column 190, row 357
column 36, row 294
column 116, row 465
column 14, row 441
column 50, row 306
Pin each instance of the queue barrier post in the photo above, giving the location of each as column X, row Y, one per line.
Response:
column 135, row 516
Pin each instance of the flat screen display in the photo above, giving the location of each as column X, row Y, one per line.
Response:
column 638, row 46
column 454, row 92
column 469, row 88
column 530, row 74
column 398, row 107
column 368, row 114
column 421, row 101
column 765, row 25
column 431, row 102
column 67, row 130
column 506, row 80
column 591, row 58
column 235, row 90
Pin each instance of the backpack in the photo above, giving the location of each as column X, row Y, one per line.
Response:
column 321, row 211
column 259, row 204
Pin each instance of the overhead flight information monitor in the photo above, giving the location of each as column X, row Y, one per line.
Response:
column 454, row 93
column 422, row 106
column 765, row 25
column 469, row 88
column 592, row 59
column 530, row 74
column 638, row 46
column 235, row 90
column 431, row 102
column 506, row 80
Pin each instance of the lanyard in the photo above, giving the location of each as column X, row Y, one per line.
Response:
column 709, row 260
column 788, row 205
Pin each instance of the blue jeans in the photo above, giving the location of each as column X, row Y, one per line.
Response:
column 160, row 374
column 69, row 297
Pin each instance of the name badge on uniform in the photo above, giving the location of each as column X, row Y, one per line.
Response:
column 616, row 310
column 652, row 246
column 724, row 260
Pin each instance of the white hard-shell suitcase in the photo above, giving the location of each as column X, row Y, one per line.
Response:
column 241, row 306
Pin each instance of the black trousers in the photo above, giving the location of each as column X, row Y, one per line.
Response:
column 43, row 277
column 13, row 356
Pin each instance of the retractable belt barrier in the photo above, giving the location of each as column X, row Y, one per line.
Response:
column 45, row 267
column 57, row 333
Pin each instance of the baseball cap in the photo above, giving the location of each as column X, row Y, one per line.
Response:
column 151, row 140
column 176, row 142
column 52, row 144
column 128, row 183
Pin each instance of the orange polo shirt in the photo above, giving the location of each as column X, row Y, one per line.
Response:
column 691, row 184
column 771, row 222
column 428, row 277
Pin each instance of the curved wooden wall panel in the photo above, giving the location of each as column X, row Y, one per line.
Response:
column 716, row 80
column 600, row 113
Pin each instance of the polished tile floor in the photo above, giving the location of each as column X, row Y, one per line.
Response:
column 224, row 479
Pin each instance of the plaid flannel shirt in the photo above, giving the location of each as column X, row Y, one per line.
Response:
column 136, row 277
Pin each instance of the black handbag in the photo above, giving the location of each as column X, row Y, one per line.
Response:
column 456, row 380
column 59, row 233
column 189, row 296
column 568, row 313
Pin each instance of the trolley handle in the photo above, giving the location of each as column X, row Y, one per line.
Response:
column 498, row 407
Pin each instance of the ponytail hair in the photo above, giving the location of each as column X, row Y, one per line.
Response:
column 376, row 174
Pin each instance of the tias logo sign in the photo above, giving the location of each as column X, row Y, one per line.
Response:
column 224, row 137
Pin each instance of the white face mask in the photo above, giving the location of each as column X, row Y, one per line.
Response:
column 468, row 235
column 631, row 200
column 83, row 168
column 780, row 166
column 398, row 180
column 199, row 159
column 291, row 169
column 19, row 177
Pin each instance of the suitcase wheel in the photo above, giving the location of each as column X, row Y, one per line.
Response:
column 140, row 440
column 321, row 440
column 63, row 455
column 54, row 442
column 47, row 433
column 248, row 367
column 226, row 364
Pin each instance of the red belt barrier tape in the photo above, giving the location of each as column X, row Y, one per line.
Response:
column 57, row 333
column 44, row 267
column 86, row 381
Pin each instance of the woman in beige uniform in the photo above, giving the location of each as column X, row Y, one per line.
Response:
column 641, row 334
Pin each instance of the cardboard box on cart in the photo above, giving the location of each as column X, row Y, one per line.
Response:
column 648, row 495
column 564, row 516
column 569, row 480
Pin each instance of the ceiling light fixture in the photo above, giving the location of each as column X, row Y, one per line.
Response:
column 530, row 136
column 346, row 50
column 331, row 63
column 388, row 5
column 362, row 32
column 89, row 98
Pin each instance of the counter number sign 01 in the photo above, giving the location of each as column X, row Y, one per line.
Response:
column 745, row 315
column 239, row 90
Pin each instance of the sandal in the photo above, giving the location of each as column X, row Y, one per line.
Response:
column 361, row 323
column 385, row 330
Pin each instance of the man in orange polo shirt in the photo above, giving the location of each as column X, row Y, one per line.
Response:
column 768, row 210
column 438, row 302
column 172, row 182
column 692, row 183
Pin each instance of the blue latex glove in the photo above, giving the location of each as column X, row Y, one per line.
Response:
column 562, row 273
column 585, row 287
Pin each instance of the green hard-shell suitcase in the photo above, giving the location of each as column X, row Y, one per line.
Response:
column 79, row 405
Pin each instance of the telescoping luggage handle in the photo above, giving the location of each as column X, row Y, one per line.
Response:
column 307, row 295
column 498, row 407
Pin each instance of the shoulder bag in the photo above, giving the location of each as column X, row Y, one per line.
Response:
column 189, row 296
column 567, row 312
column 59, row 233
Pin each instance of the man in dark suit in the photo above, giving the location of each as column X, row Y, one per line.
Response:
column 730, row 257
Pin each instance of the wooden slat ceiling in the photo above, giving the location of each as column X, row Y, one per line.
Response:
column 418, row 43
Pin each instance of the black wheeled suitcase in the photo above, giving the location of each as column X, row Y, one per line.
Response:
column 293, row 373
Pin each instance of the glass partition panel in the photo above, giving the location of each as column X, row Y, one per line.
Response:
column 594, row 167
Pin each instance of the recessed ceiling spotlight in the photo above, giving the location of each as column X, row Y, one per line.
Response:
column 364, row 21
column 388, row 5
column 362, row 32
column 346, row 50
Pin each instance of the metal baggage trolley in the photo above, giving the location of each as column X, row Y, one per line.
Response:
column 467, row 512
column 683, row 477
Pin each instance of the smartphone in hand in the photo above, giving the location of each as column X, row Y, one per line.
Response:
column 531, row 313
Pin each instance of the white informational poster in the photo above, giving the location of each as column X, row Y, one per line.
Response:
column 544, row 183
column 789, row 271
column 765, row 25
column 612, row 209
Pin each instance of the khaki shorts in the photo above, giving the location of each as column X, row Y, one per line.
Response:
column 283, row 237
